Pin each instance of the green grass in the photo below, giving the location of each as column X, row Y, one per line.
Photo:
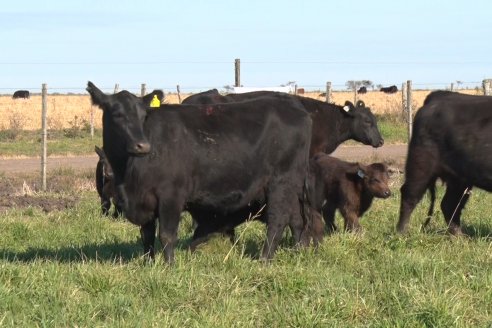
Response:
column 393, row 129
column 76, row 268
column 60, row 142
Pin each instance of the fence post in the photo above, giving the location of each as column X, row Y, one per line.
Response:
column 142, row 90
column 44, row 134
column 116, row 88
column 452, row 87
column 409, row 109
column 237, row 72
column 355, row 94
column 404, row 99
column 328, row 92
column 487, row 85
column 92, row 121
column 179, row 94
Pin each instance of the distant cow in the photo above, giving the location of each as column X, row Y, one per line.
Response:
column 21, row 94
column 105, row 184
column 451, row 140
column 348, row 187
column 362, row 90
column 212, row 158
column 391, row 89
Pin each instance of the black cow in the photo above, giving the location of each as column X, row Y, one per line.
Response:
column 332, row 125
column 362, row 90
column 21, row 94
column 391, row 89
column 451, row 140
column 216, row 158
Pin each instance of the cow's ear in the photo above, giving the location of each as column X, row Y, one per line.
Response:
column 98, row 97
column 360, row 103
column 348, row 108
column 147, row 99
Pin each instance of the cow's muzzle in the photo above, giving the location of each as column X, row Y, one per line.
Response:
column 140, row 148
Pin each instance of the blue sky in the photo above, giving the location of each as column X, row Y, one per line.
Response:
column 194, row 43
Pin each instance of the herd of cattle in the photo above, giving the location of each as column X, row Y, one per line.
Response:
column 264, row 155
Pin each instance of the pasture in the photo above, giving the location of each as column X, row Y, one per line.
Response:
column 63, row 264
column 74, row 111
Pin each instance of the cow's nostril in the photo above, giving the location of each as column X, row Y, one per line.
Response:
column 381, row 142
column 142, row 147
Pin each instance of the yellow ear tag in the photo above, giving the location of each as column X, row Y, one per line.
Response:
column 155, row 102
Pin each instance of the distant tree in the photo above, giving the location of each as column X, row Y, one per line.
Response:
column 355, row 85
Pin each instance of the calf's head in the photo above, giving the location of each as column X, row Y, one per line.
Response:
column 376, row 178
column 107, row 171
column 364, row 127
column 123, row 118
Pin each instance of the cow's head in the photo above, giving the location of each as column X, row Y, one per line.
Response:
column 106, row 167
column 364, row 127
column 376, row 178
column 123, row 118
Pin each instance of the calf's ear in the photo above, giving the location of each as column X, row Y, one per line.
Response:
column 99, row 152
column 98, row 97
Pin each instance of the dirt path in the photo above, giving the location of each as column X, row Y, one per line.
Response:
column 395, row 154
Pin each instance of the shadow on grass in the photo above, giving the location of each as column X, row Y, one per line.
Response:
column 106, row 252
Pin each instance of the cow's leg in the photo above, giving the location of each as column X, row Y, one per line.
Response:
column 147, row 233
column 297, row 225
column 419, row 175
column 329, row 217
column 200, row 236
column 105, row 205
column 279, row 211
column 169, row 214
column 452, row 204
column 351, row 219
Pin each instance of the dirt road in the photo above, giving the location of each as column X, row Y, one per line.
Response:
column 395, row 154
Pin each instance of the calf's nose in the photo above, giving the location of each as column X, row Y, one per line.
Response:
column 387, row 193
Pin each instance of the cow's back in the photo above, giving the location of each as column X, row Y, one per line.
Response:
column 458, row 130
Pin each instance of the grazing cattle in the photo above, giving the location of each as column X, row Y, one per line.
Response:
column 391, row 89
column 362, row 90
column 332, row 125
column 21, row 94
column 451, row 140
column 105, row 184
column 213, row 158
column 348, row 187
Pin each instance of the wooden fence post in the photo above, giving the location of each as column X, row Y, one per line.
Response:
column 328, row 92
column 179, row 94
column 237, row 72
column 44, row 134
column 92, row 121
column 142, row 90
column 116, row 88
column 355, row 94
column 452, row 87
column 487, row 86
column 409, row 109
column 404, row 99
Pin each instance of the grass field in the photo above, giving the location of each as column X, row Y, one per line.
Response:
column 72, row 267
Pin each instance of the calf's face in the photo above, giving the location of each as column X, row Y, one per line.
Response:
column 376, row 178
